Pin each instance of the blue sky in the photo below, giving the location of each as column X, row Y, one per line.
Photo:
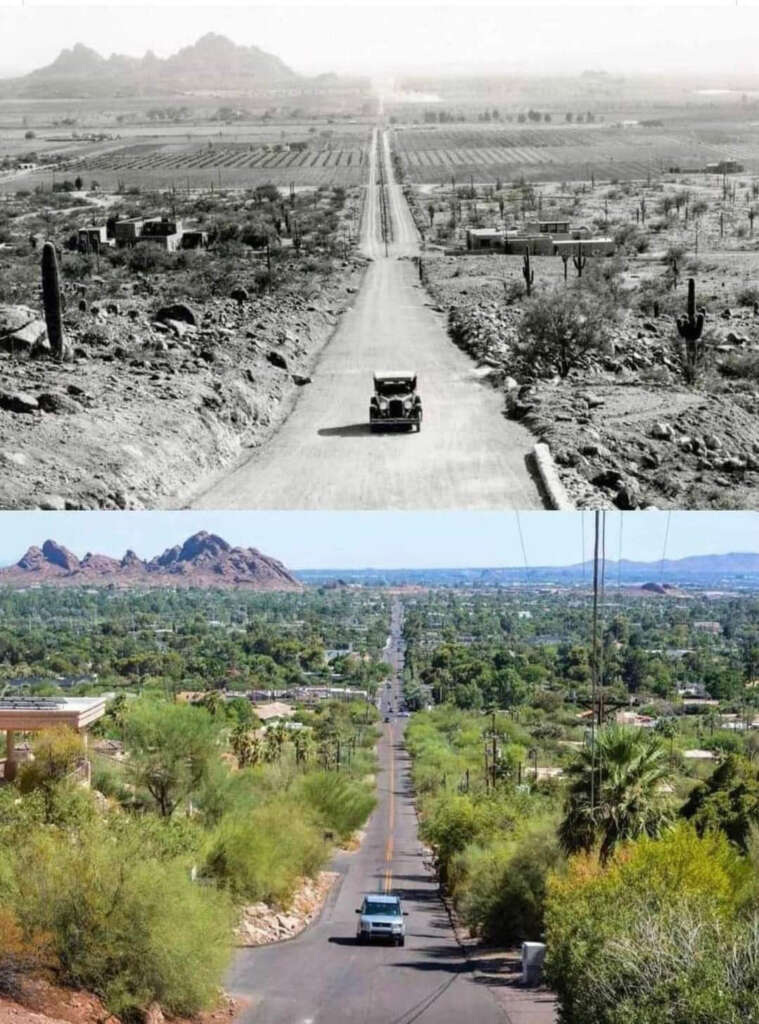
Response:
column 345, row 540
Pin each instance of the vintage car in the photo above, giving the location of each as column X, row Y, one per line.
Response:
column 395, row 402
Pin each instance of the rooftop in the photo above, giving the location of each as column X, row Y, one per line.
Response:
column 32, row 713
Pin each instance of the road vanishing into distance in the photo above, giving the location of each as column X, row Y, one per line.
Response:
column 467, row 455
column 324, row 976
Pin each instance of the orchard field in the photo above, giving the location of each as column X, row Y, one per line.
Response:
column 306, row 155
column 431, row 154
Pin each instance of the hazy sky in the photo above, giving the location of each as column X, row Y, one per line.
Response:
column 375, row 39
column 304, row 540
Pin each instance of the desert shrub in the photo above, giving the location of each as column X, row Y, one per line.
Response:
column 262, row 856
column 57, row 752
column 601, row 922
column 561, row 327
column 513, row 291
column 120, row 922
column 149, row 258
column 500, row 888
column 740, row 365
column 747, row 295
column 340, row 804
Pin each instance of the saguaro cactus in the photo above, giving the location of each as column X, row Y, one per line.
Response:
column 579, row 261
column 690, row 329
column 51, row 296
column 527, row 273
column 565, row 261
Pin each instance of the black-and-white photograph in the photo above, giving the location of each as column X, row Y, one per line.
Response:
column 379, row 257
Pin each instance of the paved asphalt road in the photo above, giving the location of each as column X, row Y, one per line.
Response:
column 323, row 976
column 467, row 454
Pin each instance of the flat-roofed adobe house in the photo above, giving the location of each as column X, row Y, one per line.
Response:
column 275, row 712
column 28, row 714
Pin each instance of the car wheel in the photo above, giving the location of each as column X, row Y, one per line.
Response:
column 402, row 942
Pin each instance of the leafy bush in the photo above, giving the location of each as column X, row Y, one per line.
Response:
column 500, row 889
column 742, row 366
column 262, row 857
column 341, row 805
column 603, row 925
column 559, row 328
column 747, row 295
column 120, row 922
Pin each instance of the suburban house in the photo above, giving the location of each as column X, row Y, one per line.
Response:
column 272, row 714
column 93, row 238
column 29, row 714
column 540, row 238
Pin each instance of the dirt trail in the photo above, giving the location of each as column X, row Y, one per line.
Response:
column 467, row 454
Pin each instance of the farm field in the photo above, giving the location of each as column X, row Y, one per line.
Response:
column 227, row 156
column 432, row 154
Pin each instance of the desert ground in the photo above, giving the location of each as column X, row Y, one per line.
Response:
column 151, row 409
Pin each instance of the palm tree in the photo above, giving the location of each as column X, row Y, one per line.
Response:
column 243, row 744
column 615, row 791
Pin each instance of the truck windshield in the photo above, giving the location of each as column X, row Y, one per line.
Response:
column 372, row 907
column 386, row 388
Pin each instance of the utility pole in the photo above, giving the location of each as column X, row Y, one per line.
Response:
column 594, row 666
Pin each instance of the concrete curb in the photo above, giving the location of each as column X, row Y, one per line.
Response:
column 553, row 489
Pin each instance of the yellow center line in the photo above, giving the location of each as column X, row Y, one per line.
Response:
column 391, row 819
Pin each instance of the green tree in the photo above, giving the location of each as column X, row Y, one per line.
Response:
column 728, row 801
column 169, row 747
column 614, row 791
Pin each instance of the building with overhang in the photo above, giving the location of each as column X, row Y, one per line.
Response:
column 20, row 715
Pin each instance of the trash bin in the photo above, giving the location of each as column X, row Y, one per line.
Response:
column 533, row 955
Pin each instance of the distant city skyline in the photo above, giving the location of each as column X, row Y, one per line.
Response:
column 423, row 540
column 392, row 38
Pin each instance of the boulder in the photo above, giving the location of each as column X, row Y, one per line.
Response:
column 50, row 401
column 20, row 329
column 662, row 430
column 177, row 311
column 18, row 401
column 628, row 496
column 178, row 327
column 276, row 359
column 300, row 380
column 609, row 478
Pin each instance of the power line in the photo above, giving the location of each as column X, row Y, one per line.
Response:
column 521, row 541
column 619, row 551
column 664, row 549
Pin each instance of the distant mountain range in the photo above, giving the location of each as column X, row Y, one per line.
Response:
column 212, row 64
column 736, row 569
column 204, row 560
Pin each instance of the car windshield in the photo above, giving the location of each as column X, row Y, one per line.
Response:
column 372, row 907
column 386, row 388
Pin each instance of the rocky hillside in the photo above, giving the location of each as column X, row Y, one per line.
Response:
column 204, row 560
column 213, row 62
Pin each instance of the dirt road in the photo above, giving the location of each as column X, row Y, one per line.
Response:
column 467, row 454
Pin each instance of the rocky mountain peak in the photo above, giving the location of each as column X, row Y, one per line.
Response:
column 58, row 555
column 203, row 560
